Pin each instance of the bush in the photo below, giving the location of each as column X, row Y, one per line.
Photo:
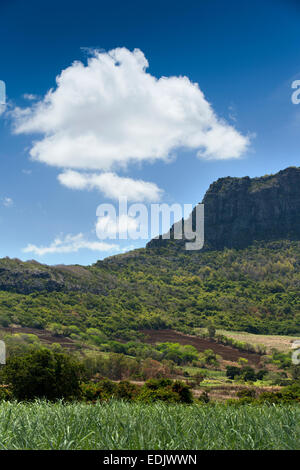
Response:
column 179, row 354
column 204, row 398
column 232, row 372
column 43, row 374
column 165, row 390
column 247, row 392
column 289, row 394
column 4, row 320
column 5, row 393
column 127, row 390
column 103, row 390
column 210, row 357
column 248, row 374
column 261, row 374
column 211, row 331
column 153, row 390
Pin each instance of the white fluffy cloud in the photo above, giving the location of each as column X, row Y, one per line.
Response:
column 111, row 185
column 69, row 244
column 111, row 112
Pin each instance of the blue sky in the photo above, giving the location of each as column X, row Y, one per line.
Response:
column 244, row 57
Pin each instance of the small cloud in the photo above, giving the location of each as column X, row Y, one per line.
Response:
column 30, row 97
column 232, row 114
column 27, row 172
column 112, row 185
column 69, row 244
column 8, row 202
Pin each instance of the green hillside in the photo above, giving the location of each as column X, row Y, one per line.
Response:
column 255, row 289
column 235, row 282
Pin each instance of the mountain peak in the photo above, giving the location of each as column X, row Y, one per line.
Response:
column 239, row 211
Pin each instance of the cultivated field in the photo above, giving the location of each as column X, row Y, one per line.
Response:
column 280, row 342
column 119, row 425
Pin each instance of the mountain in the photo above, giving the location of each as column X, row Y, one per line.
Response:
column 239, row 211
column 247, row 277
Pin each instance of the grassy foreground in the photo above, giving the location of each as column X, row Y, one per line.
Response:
column 120, row 425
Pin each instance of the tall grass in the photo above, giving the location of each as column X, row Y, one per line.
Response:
column 119, row 425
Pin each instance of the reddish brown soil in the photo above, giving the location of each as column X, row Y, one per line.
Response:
column 228, row 353
column 45, row 336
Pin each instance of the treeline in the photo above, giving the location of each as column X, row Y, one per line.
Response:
column 51, row 375
column 54, row 376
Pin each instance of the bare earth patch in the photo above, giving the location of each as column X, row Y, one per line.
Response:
column 228, row 353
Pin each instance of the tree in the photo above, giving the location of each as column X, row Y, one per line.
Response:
column 248, row 374
column 43, row 374
column 232, row 372
column 211, row 330
column 296, row 373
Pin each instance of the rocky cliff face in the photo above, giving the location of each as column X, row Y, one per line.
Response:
column 239, row 211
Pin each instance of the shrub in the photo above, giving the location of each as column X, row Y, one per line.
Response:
column 261, row 374
column 4, row 320
column 204, row 398
column 153, row 390
column 43, row 374
column 103, row 390
column 211, row 331
column 288, row 394
column 210, row 357
column 5, row 393
column 127, row 390
column 248, row 374
column 165, row 390
column 232, row 372
column 246, row 392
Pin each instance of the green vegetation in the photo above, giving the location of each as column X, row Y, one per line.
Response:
column 245, row 373
column 121, row 425
column 153, row 390
column 46, row 374
column 98, row 413
column 290, row 394
column 43, row 374
column 255, row 290
column 117, row 390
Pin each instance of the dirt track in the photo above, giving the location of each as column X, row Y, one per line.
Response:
column 228, row 353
